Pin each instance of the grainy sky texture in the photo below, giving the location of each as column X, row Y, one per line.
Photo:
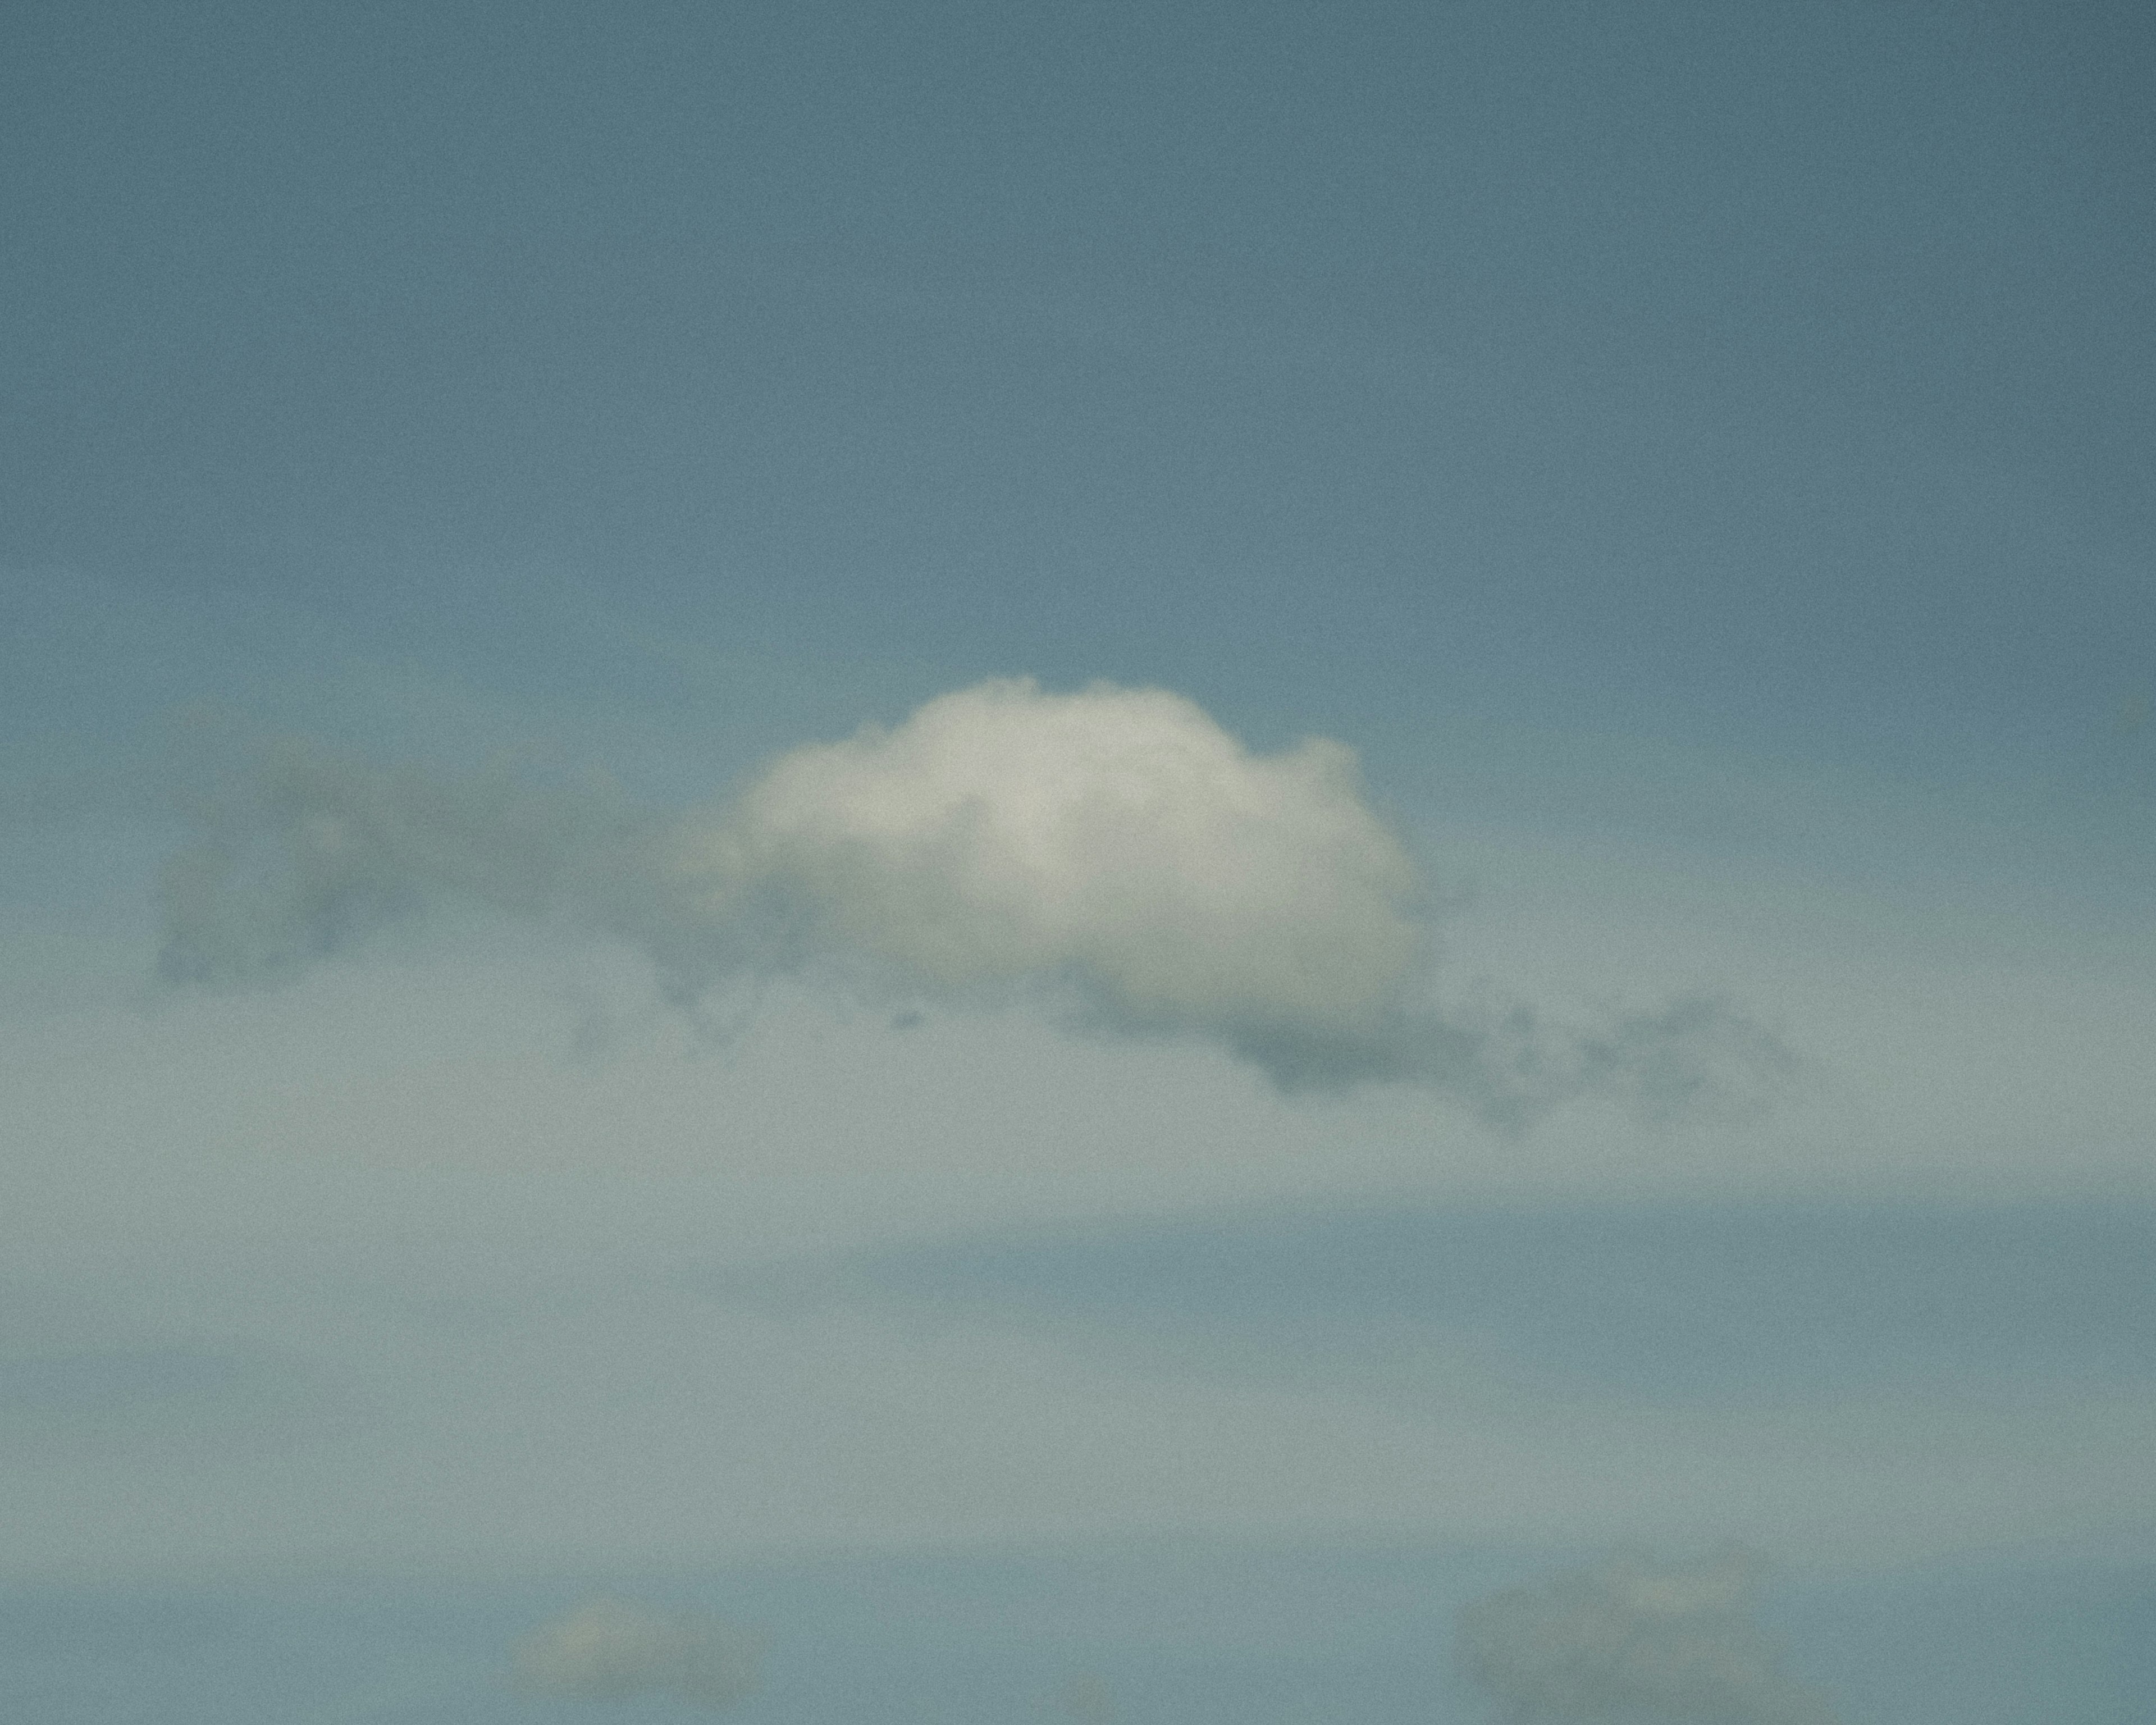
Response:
column 1077, row 852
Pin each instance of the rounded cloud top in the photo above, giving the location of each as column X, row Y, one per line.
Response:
column 1116, row 836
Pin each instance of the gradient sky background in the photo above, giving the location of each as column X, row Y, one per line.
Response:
column 1698, row 457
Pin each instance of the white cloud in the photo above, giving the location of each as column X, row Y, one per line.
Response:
column 609, row 1650
column 1117, row 834
column 1114, row 847
column 1635, row 1639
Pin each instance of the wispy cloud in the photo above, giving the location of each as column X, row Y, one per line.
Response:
column 1114, row 850
column 610, row 1650
column 1635, row 1639
column 1689, row 1305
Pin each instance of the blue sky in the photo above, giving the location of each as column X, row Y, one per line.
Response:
column 1556, row 959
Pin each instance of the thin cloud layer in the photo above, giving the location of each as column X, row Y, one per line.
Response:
column 609, row 1649
column 1113, row 848
column 1634, row 1641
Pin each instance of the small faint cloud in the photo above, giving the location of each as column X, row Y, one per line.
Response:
column 611, row 1649
column 1633, row 1639
column 1085, row 1698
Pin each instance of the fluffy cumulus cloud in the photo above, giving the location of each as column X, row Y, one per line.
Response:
column 609, row 1650
column 1113, row 850
column 1636, row 1641
column 1117, row 837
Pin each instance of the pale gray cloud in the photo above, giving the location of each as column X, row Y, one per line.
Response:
column 1113, row 850
column 1636, row 1640
column 611, row 1649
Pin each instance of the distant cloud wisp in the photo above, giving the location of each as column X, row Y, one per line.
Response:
column 1632, row 1639
column 609, row 1650
column 1115, row 846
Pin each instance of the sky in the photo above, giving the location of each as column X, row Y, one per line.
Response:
column 1128, row 862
